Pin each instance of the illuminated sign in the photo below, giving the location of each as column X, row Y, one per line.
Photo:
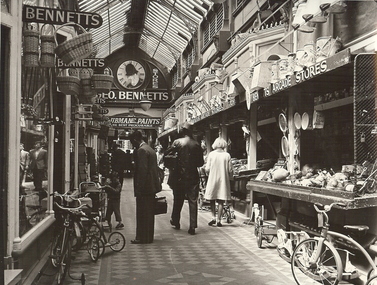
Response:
column 59, row 17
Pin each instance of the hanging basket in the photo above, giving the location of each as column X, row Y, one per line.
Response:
column 31, row 45
column 86, row 82
column 75, row 49
column 87, row 99
column 103, row 82
column 47, row 46
column 68, row 82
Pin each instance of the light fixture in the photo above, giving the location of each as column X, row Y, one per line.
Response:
column 307, row 27
column 337, row 7
column 297, row 23
column 145, row 104
column 318, row 11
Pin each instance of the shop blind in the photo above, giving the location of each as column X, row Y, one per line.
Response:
column 214, row 25
column 365, row 108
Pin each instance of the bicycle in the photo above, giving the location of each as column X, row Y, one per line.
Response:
column 228, row 213
column 319, row 260
column 61, row 249
column 78, row 228
column 30, row 215
column 93, row 228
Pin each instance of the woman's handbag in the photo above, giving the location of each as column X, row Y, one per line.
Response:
column 160, row 206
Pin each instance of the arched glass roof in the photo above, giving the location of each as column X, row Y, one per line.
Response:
column 161, row 28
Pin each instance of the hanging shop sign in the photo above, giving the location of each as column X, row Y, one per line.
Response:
column 59, row 17
column 84, row 63
column 135, row 122
column 127, row 97
column 324, row 66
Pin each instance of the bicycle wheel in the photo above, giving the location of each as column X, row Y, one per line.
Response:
column 77, row 239
column 65, row 261
column 327, row 269
column 101, row 247
column 372, row 281
column 56, row 250
column 117, row 241
column 93, row 248
column 259, row 237
column 94, row 229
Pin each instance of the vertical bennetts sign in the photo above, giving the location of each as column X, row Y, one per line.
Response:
column 59, row 17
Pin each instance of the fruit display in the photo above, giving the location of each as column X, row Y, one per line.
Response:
column 358, row 180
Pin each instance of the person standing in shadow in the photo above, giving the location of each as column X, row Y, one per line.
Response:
column 184, row 178
column 118, row 162
column 146, row 185
column 38, row 165
column 24, row 163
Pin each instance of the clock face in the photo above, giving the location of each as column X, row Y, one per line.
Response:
column 131, row 74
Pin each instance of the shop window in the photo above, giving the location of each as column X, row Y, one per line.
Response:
column 330, row 147
column 34, row 120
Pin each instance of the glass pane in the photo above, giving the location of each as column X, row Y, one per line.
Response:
column 34, row 134
column 5, row 6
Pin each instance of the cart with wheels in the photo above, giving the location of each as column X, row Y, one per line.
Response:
column 99, row 200
column 264, row 230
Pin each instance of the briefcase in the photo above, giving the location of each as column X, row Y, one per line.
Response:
column 160, row 206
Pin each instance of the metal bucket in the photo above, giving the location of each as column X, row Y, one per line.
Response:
column 274, row 72
column 326, row 47
column 291, row 63
column 309, row 56
column 298, row 60
column 283, row 68
column 318, row 120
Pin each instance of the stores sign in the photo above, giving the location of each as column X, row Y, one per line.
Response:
column 59, row 17
column 326, row 65
column 135, row 122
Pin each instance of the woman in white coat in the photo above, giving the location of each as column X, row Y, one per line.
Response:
column 219, row 169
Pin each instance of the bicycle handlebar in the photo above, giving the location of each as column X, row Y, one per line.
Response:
column 71, row 210
column 70, row 196
column 327, row 208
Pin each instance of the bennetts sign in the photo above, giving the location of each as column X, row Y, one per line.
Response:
column 118, row 96
column 60, row 17
column 135, row 122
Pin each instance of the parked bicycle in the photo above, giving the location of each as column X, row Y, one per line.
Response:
column 61, row 249
column 93, row 228
column 318, row 259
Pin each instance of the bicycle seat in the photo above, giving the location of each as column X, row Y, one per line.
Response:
column 357, row 228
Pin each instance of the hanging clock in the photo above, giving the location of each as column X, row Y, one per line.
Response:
column 131, row 74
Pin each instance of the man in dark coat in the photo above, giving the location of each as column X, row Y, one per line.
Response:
column 184, row 179
column 38, row 165
column 146, row 185
column 118, row 162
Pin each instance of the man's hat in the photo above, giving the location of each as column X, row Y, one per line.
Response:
column 130, row 69
column 187, row 126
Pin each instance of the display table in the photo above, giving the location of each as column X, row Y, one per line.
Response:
column 313, row 195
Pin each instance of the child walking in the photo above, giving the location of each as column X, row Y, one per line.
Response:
column 113, row 188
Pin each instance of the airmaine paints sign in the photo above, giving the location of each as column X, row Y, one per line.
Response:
column 135, row 122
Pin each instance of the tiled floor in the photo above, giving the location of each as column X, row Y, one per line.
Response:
column 215, row 256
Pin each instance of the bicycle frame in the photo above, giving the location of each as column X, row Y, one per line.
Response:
column 325, row 232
